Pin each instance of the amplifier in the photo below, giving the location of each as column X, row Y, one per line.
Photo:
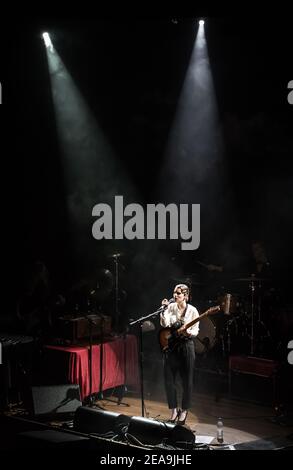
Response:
column 253, row 378
column 75, row 329
column 253, row 365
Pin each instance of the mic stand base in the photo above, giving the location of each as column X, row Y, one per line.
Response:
column 90, row 401
column 123, row 386
column 117, row 402
column 139, row 322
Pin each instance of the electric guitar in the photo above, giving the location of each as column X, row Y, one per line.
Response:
column 170, row 338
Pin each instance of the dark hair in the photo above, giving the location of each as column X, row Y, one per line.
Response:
column 184, row 288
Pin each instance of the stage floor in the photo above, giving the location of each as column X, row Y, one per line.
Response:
column 243, row 422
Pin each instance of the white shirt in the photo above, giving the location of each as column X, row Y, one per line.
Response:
column 173, row 314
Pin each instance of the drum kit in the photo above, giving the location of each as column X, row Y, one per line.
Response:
column 91, row 294
column 239, row 327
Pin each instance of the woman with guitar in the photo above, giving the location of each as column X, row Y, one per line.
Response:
column 178, row 347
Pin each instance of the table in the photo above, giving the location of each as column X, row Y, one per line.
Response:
column 120, row 364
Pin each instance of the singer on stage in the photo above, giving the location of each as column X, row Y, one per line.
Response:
column 180, row 356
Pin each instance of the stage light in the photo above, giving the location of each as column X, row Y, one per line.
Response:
column 201, row 22
column 48, row 42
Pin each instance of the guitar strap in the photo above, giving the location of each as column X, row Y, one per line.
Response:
column 182, row 339
column 185, row 310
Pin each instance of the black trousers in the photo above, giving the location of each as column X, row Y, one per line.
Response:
column 179, row 361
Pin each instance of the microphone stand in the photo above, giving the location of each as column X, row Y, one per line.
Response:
column 101, row 395
column 252, row 288
column 140, row 321
column 90, row 323
column 91, row 400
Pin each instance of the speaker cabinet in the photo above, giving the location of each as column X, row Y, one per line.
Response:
column 150, row 431
column 95, row 421
column 55, row 399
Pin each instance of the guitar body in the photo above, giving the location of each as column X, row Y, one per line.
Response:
column 167, row 339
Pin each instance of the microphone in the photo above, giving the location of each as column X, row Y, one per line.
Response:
column 170, row 301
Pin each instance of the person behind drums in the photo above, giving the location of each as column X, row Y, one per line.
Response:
column 180, row 359
column 261, row 265
column 254, row 262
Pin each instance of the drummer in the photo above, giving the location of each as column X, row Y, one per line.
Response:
column 261, row 265
column 234, row 263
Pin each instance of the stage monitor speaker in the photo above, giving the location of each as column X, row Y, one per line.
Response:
column 56, row 399
column 150, row 431
column 182, row 437
column 95, row 421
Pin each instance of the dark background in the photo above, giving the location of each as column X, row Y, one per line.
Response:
column 130, row 72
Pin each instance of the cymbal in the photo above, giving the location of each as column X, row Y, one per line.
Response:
column 252, row 279
column 187, row 280
column 115, row 255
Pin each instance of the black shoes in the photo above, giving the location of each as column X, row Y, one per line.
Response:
column 176, row 417
column 181, row 419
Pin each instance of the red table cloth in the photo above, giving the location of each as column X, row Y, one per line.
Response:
column 119, row 364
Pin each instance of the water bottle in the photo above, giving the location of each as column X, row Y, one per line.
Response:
column 220, row 431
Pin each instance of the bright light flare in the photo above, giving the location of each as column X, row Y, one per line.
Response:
column 48, row 42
